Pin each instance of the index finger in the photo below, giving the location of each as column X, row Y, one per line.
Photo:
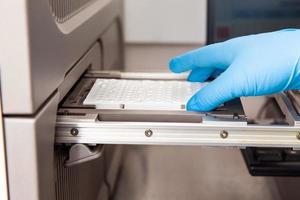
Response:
column 214, row 55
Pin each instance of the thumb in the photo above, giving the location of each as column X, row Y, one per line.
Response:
column 219, row 91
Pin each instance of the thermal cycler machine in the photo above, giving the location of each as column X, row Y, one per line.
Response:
column 56, row 147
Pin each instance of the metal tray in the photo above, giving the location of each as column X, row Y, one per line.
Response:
column 225, row 126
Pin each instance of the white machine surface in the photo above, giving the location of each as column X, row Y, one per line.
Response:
column 141, row 94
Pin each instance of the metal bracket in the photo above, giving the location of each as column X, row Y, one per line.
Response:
column 80, row 153
column 224, row 120
column 80, row 118
column 287, row 108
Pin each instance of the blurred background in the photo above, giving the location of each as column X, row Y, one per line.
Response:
column 156, row 30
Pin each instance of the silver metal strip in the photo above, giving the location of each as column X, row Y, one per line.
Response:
column 3, row 166
column 217, row 134
column 288, row 109
column 154, row 76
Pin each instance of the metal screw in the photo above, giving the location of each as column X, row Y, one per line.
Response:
column 74, row 131
column 236, row 116
column 224, row 134
column 148, row 133
column 298, row 136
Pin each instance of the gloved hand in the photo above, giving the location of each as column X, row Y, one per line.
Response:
column 253, row 65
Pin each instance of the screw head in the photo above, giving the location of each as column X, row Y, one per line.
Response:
column 298, row 136
column 236, row 116
column 224, row 134
column 148, row 133
column 74, row 131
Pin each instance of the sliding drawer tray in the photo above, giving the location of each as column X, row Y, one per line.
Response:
column 225, row 126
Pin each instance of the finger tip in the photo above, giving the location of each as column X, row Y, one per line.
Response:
column 173, row 65
column 196, row 105
column 196, row 108
column 191, row 105
column 193, row 78
column 190, row 78
column 190, row 108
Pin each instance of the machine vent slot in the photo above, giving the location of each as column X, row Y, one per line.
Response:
column 81, row 182
column 63, row 10
column 67, row 182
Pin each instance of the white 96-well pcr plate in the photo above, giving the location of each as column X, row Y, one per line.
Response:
column 141, row 94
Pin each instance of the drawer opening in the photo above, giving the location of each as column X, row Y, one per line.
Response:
column 73, row 104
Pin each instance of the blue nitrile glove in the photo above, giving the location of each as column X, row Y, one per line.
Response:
column 253, row 65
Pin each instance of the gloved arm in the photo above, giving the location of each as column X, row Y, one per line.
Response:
column 253, row 65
